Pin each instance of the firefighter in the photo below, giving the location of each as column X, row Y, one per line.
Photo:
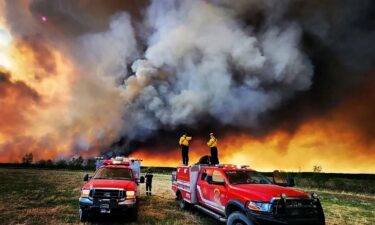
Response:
column 184, row 143
column 212, row 143
column 148, row 177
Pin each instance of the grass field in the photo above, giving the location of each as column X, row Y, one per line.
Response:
column 30, row 196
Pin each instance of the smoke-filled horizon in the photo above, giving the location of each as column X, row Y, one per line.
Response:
column 92, row 77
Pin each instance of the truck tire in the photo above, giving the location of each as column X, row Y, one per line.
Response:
column 182, row 203
column 238, row 218
column 133, row 214
column 83, row 215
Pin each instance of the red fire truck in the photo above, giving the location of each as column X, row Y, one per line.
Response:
column 241, row 195
column 114, row 188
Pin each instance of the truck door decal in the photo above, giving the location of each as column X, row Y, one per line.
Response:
column 217, row 196
column 212, row 204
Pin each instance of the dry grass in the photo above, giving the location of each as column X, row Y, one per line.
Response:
column 347, row 208
column 51, row 197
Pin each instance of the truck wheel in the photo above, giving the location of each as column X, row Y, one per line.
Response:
column 183, row 204
column 133, row 214
column 83, row 215
column 238, row 218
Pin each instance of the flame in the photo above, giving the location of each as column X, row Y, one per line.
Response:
column 5, row 39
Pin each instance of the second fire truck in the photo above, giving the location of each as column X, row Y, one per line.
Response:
column 240, row 195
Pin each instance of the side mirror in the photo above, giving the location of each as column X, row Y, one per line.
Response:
column 279, row 179
column 86, row 177
column 142, row 179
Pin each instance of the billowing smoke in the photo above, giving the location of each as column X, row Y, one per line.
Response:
column 201, row 62
column 111, row 75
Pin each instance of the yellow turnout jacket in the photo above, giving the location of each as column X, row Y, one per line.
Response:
column 184, row 140
column 212, row 142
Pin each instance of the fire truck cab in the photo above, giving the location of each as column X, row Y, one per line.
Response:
column 240, row 195
column 114, row 188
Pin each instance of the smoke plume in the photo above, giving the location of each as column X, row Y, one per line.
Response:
column 120, row 76
column 201, row 62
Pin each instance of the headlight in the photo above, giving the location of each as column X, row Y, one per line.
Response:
column 314, row 195
column 283, row 196
column 130, row 194
column 85, row 193
column 259, row 206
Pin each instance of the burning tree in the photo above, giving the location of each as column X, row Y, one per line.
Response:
column 27, row 158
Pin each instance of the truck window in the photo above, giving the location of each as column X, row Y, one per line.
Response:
column 217, row 176
column 246, row 177
column 114, row 174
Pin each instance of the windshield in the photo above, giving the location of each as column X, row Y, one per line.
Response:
column 246, row 177
column 114, row 174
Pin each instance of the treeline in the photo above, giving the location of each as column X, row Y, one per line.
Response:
column 75, row 163
column 321, row 176
column 353, row 183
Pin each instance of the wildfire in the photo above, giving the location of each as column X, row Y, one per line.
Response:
column 39, row 108
column 66, row 87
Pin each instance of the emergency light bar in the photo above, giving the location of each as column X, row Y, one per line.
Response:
column 119, row 160
column 116, row 162
column 229, row 165
column 232, row 166
column 225, row 165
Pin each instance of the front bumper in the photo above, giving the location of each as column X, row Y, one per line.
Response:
column 266, row 219
column 290, row 216
column 112, row 205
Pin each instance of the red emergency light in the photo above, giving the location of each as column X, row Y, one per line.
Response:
column 116, row 162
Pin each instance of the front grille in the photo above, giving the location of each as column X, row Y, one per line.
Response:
column 107, row 193
column 294, row 208
column 299, row 203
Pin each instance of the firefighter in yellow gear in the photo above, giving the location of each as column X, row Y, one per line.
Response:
column 212, row 143
column 184, row 143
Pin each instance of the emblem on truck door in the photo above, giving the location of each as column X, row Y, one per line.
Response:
column 217, row 196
